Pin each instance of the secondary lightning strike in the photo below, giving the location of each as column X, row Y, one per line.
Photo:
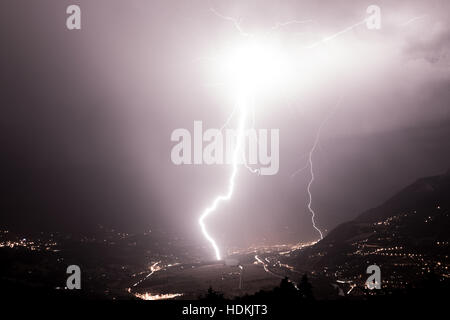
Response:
column 242, row 105
column 313, row 214
column 311, row 169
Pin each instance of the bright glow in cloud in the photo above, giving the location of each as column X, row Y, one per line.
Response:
column 257, row 66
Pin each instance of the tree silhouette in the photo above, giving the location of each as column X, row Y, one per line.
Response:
column 213, row 296
column 305, row 289
column 287, row 288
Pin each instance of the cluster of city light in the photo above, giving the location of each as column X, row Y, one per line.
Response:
column 153, row 268
column 30, row 245
column 163, row 296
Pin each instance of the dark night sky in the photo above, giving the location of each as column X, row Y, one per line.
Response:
column 87, row 115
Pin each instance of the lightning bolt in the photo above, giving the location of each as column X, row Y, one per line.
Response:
column 311, row 170
column 242, row 109
column 310, row 165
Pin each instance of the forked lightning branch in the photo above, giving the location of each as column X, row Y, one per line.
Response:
column 254, row 67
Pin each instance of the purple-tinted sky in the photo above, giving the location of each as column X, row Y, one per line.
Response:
column 87, row 115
